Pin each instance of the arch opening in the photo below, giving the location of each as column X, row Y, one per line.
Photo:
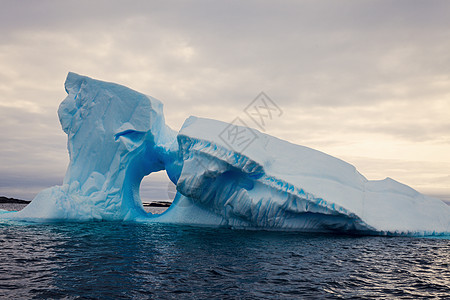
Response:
column 157, row 192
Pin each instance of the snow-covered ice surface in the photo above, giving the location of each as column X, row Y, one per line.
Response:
column 116, row 136
column 273, row 184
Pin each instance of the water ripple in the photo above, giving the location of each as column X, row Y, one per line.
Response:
column 128, row 261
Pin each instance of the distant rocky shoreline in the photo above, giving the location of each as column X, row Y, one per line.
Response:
column 157, row 204
column 4, row 199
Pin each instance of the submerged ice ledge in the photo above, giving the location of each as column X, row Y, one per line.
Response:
column 116, row 136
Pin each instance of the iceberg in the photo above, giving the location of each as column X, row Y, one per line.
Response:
column 276, row 185
column 117, row 136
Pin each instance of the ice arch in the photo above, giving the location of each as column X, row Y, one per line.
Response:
column 116, row 136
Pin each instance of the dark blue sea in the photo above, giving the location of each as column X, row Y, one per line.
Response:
column 109, row 260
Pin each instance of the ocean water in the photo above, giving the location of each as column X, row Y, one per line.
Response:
column 113, row 260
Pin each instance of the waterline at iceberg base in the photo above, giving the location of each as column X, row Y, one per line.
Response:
column 117, row 136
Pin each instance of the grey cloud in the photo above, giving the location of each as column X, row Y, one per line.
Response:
column 31, row 144
column 402, row 120
column 308, row 53
column 427, row 177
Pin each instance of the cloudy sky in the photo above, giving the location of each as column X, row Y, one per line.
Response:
column 366, row 81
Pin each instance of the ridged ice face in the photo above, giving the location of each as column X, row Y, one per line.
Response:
column 103, row 122
column 275, row 185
